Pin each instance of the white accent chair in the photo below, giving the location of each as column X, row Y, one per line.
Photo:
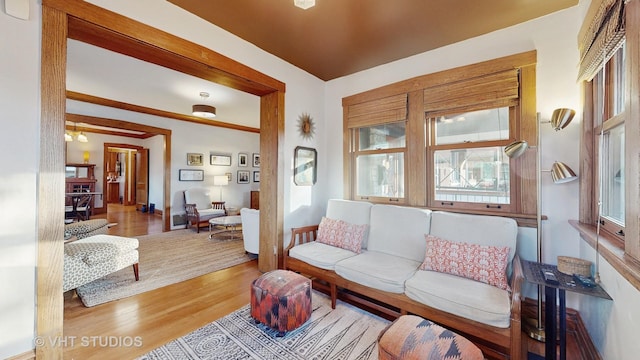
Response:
column 250, row 229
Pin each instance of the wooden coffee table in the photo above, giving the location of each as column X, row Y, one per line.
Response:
column 228, row 222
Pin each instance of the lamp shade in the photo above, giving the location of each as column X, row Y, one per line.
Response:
column 561, row 118
column 220, row 180
column 516, row 148
column 304, row 4
column 561, row 173
column 207, row 111
column 82, row 137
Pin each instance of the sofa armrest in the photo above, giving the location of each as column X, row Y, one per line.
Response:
column 192, row 213
column 302, row 235
column 517, row 278
column 83, row 229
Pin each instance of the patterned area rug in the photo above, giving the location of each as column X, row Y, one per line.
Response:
column 166, row 259
column 344, row 333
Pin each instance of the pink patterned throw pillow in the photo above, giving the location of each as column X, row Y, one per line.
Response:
column 341, row 234
column 487, row 264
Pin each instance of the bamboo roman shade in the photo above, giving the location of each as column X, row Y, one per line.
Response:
column 602, row 33
column 488, row 91
column 380, row 111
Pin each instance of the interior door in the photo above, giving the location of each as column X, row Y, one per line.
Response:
column 142, row 178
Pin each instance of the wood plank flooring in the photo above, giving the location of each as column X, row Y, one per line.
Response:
column 130, row 327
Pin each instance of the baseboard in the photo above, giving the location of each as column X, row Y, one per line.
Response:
column 28, row 355
column 575, row 329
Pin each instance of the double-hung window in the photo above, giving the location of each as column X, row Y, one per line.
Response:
column 609, row 132
column 468, row 160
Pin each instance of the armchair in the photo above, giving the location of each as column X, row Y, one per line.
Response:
column 200, row 209
column 83, row 229
column 250, row 229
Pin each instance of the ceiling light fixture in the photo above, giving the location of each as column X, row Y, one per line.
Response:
column 80, row 136
column 202, row 110
column 304, row 4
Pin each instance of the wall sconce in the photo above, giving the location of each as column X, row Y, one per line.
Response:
column 560, row 173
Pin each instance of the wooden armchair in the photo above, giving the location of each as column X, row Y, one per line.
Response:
column 199, row 218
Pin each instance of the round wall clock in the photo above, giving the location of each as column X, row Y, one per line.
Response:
column 306, row 127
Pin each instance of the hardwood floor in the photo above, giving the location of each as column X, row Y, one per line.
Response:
column 130, row 327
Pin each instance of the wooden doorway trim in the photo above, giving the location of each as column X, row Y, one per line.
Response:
column 128, row 182
column 63, row 19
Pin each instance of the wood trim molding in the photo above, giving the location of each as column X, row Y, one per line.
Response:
column 72, row 95
column 115, row 32
column 611, row 250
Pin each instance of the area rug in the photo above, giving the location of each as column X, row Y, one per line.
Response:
column 344, row 333
column 165, row 259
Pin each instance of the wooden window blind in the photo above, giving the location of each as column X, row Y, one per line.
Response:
column 489, row 91
column 602, row 33
column 380, row 111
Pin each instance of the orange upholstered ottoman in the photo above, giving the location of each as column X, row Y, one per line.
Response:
column 411, row 337
column 281, row 300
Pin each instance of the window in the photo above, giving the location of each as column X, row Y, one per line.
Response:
column 609, row 136
column 380, row 161
column 469, row 164
column 437, row 140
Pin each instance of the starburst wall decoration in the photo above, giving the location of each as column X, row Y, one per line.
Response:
column 306, row 127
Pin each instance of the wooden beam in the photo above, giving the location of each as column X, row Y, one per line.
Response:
column 72, row 95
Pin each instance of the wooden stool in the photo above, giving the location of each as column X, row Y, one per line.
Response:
column 281, row 300
column 411, row 337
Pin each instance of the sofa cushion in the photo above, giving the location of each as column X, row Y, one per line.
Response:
column 199, row 196
column 378, row 270
column 91, row 253
column 320, row 255
column 484, row 263
column 341, row 234
column 210, row 213
column 463, row 297
column 477, row 229
column 353, row 212
column 399, row 231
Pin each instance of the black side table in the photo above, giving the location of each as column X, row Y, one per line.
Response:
column 533, row 274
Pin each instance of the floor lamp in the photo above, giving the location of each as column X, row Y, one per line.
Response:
column 560, row 173
column 220, row 180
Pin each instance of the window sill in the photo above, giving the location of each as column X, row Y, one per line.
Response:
column 612, row 251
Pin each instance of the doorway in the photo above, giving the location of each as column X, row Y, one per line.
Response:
column 126, row 175
column 89, row 23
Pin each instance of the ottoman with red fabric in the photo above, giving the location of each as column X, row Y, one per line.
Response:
column 281, row 300
column 411, row 337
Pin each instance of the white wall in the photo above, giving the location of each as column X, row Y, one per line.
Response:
column 19, row 145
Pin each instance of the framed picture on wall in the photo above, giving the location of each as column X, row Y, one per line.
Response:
column 243, row 159
column 222, row 160
column 194, row 159
column 243, row 177
column 228, row 177
column 190, row 175
column 256, row 176
column 256, row 160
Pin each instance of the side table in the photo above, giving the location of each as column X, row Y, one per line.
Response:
column 533, row 274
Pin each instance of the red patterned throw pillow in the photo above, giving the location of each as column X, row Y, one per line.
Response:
column 341, row 234
column 487, row 264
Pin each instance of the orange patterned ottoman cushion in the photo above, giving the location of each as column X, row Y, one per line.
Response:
column 281, row 300
column 411, row 337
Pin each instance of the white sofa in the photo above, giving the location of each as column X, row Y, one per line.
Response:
column 386, row 271
column 250, row 229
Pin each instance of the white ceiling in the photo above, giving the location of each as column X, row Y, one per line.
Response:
column 103, row 73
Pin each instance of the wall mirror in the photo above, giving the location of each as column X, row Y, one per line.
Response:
column 304, row 162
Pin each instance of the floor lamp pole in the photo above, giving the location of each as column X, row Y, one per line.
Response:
column 538, row 332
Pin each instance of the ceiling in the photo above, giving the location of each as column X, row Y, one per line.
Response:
column 340, row 37
column 333, row 39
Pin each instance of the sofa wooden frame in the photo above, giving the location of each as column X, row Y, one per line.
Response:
column 495, row 343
